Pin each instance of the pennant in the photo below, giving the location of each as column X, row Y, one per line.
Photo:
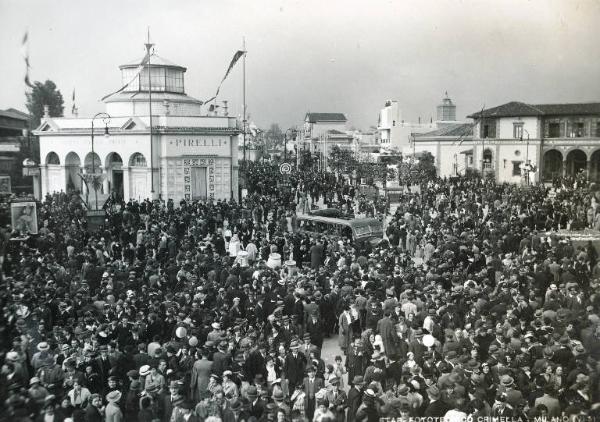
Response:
column 73, row 108
column 25, row 53
column 139, row 69
column 238, row 54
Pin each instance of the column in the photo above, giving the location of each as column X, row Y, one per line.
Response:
column 564, row 168
column 126, row 184
column 84, row 187
column 588, row 163
column 44, row 173
column 105, row 182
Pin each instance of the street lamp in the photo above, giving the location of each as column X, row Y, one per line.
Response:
column 105, row 119
column 527, row 167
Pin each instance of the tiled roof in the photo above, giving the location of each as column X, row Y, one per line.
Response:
column 454, row 129
column 325, row 117
column 337, row 132
column 571, row 109
column 513, row 108
column 14, row 114
column 516, row 108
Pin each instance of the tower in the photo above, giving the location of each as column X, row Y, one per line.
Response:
column 446, row 112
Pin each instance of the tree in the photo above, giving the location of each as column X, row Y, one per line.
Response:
column 426, row 166
column 274, row 136
column 44, row 94
column 341, row 159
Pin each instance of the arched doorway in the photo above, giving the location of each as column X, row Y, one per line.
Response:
column 52, row 159
column 595, row 166
column 73, row 181
column 138, row 177
column 114, row 173
column 488, row 156
column 576, row 162
column 553, row 162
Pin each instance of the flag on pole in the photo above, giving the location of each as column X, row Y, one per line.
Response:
column 73, row 107
column 133, row 78
column 25, row 53
column 238, row 55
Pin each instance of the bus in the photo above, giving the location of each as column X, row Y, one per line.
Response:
column 359, row 231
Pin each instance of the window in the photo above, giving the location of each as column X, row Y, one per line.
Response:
column 470, row 159
column 138, row 160
column 576, row 129
column 53, row 159
column 596, row 131
column 393, row 123
column 516, row 168
column 554, row 130
column 489, row 130
column 518, row 130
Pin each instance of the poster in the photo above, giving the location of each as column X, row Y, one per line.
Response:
column 24, row 217
column 4, row 184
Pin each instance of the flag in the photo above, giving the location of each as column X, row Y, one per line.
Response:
column 25, row 53
column 73, row 107
column 238, row 54
column 139, row 69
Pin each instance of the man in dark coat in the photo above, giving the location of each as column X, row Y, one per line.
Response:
column 436, row 406
column 389, row 337
column 294, row 366
column 355, row 397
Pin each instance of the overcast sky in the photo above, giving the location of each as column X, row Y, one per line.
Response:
column 315, row 55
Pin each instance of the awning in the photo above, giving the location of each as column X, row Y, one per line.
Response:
column 467, row 152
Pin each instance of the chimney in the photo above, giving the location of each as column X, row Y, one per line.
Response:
column 225, row 110
column 46, row 111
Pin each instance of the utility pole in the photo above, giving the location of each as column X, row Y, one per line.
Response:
column 244, row 101
column 148, row 48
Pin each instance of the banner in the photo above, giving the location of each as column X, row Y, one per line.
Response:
column 238, row 54
column 139, row 69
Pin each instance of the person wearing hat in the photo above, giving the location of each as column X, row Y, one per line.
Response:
column 221, row 358
column 355, row 395
column 112, row 411
column 257, row 405
column 132, row 400
column 312, row 385
column 336, row 398
column 436, row 407
column 37, row 393
column 294, row 365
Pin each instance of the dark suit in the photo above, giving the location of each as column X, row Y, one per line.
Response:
column 353, row 402
column 293, row 368
column 310, row 389
column 315, row 329
column 92, row 414
column 221, row 362
column 436, row 409
column 257, row 408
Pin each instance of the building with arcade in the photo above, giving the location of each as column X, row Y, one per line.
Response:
column 520, row 143
column 173, row 151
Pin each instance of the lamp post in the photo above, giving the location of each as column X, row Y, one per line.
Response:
column 105, row 119
column 526, row 157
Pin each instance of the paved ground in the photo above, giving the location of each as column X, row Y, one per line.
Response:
column 330, row 351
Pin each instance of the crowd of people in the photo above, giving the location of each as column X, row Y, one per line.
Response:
column 472, row 306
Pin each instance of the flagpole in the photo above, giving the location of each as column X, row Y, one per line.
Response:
column 244, row 100
column 148, row 47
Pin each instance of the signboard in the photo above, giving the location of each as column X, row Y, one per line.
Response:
column 31, row 171
column 285, row 168
column 177, row 146
column 24, row 217
column 5, row 184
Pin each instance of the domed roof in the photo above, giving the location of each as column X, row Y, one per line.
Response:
column 155, row 60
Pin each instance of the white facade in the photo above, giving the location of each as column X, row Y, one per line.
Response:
column 394, row 132
column 191, row 156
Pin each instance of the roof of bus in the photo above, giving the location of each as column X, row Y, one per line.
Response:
column 352, row 223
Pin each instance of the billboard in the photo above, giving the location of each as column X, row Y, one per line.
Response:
column 24, row 217
column 5, row 184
